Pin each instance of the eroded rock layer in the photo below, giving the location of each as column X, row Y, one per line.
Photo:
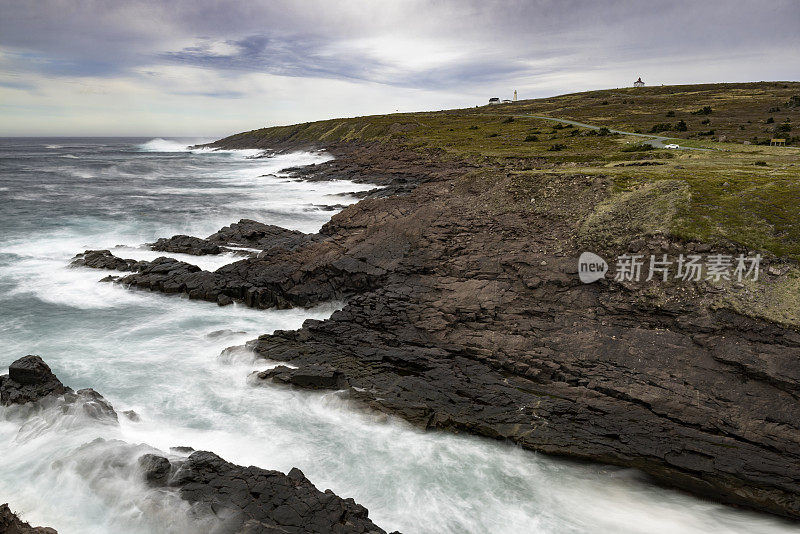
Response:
column 465, row 312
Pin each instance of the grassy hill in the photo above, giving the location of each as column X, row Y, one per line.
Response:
column 739, row 193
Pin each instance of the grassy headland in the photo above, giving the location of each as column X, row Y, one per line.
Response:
column 740, row 193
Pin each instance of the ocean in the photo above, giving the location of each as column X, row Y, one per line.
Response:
column 164, row 358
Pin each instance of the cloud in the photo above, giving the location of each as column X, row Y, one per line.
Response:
column 217, row 58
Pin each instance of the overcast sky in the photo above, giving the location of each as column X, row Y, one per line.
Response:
column 203, row 68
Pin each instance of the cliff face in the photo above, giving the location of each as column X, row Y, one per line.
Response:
column 465, row 313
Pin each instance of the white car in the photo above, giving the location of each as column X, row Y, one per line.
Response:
column 671, row 145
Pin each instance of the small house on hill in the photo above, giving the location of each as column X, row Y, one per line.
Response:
column 494, row 100
column 638, row 83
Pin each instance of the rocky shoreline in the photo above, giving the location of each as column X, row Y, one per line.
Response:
column 230, row 498
column 464, row 312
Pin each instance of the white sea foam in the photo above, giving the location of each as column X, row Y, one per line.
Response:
column 164, row 145
column 173, row 146
column 161, row 356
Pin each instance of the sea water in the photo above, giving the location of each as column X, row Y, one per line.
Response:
column 163, row 357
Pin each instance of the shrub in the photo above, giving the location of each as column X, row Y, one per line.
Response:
column 774, row 109
column 710, row 132
column 603, row 131
column 784, row 128
column 604, row 103
column 574, row 133
column 531, row 138
column 472, row 128
column 770, row 120
column 559, row 127
column 556, row 147
column 705, row 121
column 661, row 127
column 705, row 110
column 494, row 134
column 670, row 113
column 508, row 120
column 681, row 126
column 794, row 101
column 760, row 163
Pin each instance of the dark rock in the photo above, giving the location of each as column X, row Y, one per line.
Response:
column 250, row 499
column 11, row 524
column 308, row 377
column 132, row 416
column 93, row 404
column 29, row 379
column 224, row 333
column 465, row 317
column 186, row 245
column 155, row 469
column 102, row 259
column 252, row 234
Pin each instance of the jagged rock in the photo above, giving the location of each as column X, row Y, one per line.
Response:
column 250, row 499
column 308, row 377
column 155, row 468
column 186, row 244
column 29, row 379
column 466, row 317
column 11, row 524
column 253, row 234
column 94, row 405
column 244, row 499
column 102, row 259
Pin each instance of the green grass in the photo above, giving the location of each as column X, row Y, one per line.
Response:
column 724, row 196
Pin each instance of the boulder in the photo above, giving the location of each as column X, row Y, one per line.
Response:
column 306, row 377
column 253, row 234
column 29, row 379
column 250, row 499
column 186, row 244
column 102, row 259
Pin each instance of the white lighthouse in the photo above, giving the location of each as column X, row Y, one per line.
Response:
column 515, row 95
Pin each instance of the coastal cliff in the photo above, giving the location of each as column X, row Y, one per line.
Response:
column 464, row 310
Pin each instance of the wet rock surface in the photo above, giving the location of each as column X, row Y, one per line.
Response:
column 11, row 524
column 307, row 377
column 243, row 499
column 467, row 315
column 102, row 259
column 29, row 379
column 185, row 244
column 254, row 500
column 253, row 234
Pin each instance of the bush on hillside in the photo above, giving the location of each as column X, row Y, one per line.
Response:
column 705, row 110
column 661, row 127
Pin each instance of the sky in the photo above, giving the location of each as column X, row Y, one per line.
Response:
column 209, row 68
